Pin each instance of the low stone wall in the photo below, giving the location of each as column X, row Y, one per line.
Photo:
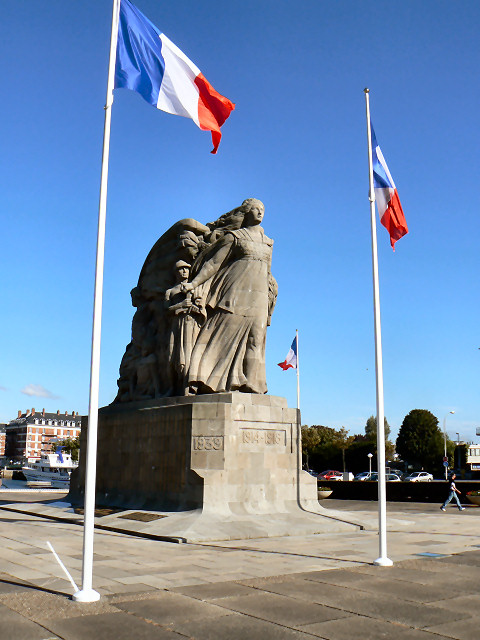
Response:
column 435, row 491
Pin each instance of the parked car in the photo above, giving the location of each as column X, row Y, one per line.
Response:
column 392, row 477
column 389, row 477
column 330, row 475
column 312, row 473
column 419, row 476
column 364, row 475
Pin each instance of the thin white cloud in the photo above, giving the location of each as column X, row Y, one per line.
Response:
column 2, row 388
column 38, row 390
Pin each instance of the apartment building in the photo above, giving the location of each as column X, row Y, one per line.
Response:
column 31, row 433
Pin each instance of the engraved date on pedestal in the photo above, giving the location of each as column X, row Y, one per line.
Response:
column 208, row 443
column 263, row 436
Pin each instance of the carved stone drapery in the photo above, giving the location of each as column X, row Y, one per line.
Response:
column 203, row 301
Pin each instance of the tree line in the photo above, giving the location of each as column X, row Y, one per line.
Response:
column 419, row 446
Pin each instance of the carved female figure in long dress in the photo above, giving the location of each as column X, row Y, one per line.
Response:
column 234, row 279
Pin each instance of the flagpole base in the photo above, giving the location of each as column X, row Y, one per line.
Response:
column 383, row 562
column 86, row 595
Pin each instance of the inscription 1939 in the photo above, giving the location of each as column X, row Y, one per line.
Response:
column 207, row 443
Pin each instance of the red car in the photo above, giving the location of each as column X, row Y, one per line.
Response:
column 330, row 475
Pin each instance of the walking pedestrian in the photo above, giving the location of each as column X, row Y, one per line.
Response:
column 453, row 493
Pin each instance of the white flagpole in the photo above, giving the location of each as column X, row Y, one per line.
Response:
column 298, row 372
column 383, row 560
column 299, row 427
column 87, row 593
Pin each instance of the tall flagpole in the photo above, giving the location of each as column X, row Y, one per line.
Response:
column 299, row 426
column 298, row 372
column 383, row 560
column 87, row 593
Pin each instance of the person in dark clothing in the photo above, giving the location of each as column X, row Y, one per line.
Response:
column 453, row 493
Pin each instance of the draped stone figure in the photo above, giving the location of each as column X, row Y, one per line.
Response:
column 186, row 317
column 202, row 329
column 229, row 353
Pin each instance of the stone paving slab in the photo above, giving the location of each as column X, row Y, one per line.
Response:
column 202, row 620
column 215, row 591
column 119, row 625
column 470, row 559
column 171, row 608
column 463, row 630
column 465, row 604
column 384, row 586
column 12, row 585
column 15, row 626
column 422, row 576
column 296, row 587
column 284, row 610
column 367, row 629
column 238, row 627
column 356, row 601
column 437, row 565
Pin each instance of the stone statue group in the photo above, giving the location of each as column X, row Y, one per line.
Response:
column 203, row 302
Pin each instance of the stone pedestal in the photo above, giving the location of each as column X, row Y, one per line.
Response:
column 212, row 467
column 227, row 453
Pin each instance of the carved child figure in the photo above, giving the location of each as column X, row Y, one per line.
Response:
column 146, row 374
column 186, row 317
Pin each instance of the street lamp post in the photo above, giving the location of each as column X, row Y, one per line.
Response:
column 370, row 456
column 445, row 442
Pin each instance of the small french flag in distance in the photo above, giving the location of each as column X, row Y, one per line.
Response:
column 150, row 64
column 290, row 361
column 388, row 204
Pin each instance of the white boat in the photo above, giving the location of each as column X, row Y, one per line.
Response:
column 52, row 468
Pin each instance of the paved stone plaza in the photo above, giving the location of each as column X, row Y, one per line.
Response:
column 318, row 586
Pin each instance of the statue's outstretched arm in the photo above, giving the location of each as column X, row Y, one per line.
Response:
column 211, row 266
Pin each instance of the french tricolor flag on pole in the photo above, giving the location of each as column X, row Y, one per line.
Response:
column 150, row 64
column 291, row 359
column 388, row 204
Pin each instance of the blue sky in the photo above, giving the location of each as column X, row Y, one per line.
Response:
column 297, row 140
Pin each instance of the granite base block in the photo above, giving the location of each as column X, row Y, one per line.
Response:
column 223, row 457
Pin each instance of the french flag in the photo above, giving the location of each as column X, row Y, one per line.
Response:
column 291, row 359
column 388, row 204
column 150, row 64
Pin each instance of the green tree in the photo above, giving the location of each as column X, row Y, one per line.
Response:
column 328, row 448
column 420, row 440
column 371, row 434
column 371, row 428
column 310, row 441
column 327, row 435
column 71, row 445
column 343, row 442
column 318, row 447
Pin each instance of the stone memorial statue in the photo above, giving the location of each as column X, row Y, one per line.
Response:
column 203, row 302
column 192, row 432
